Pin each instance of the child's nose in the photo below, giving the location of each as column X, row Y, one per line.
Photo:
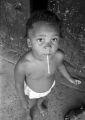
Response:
column 47, row 45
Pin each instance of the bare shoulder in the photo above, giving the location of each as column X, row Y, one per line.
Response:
column 22, row 62
column 19, row 67
column 59, row 57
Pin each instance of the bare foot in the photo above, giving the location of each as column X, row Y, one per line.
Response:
column 28, row 118
column 28, row 115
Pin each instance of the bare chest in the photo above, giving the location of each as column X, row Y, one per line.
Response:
column 39, row 70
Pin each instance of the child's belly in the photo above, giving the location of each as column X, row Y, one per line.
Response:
column 42, row 85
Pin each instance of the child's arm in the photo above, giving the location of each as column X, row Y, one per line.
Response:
column 19, row 75
column 67, row 75
column 64, row 72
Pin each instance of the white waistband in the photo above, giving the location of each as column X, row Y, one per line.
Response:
column 32, row 94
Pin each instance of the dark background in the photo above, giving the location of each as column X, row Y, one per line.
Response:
column 38, row 4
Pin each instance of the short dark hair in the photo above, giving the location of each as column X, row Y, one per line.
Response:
column 42, row 15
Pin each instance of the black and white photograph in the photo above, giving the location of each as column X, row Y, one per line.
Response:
column 42, row 60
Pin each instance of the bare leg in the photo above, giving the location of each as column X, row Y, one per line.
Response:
column 32, row 108
column 43, row 106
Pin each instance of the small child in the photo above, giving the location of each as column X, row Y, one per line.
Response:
column 35, row 71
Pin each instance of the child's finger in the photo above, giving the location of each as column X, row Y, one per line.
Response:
column 78, row 82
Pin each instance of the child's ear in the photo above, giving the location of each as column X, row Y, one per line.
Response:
column 29, row 43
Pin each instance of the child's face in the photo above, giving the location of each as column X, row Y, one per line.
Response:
column 44, row 39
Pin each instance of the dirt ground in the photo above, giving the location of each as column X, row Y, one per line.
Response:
column 62, row 97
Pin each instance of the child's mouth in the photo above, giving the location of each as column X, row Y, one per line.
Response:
column 45, row 54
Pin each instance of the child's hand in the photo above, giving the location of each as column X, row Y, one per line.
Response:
column 75, row 81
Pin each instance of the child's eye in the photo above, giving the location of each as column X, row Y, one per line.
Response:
column 40, row 40
column 54, row 39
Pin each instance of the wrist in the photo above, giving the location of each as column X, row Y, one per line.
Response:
column 71, row 80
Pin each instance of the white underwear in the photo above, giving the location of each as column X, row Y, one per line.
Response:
column 32, row 94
